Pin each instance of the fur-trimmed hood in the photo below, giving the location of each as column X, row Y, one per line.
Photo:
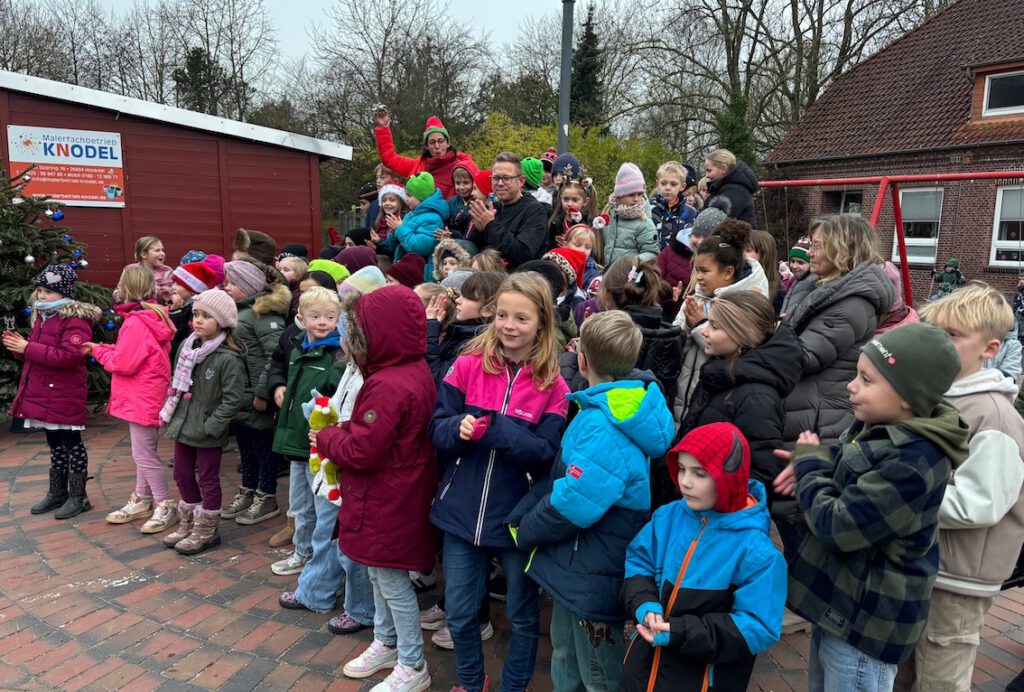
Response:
column 276, row 300
column 462, row 249
column 76, row 308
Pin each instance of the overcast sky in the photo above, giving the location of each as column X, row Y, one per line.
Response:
column 502, row 19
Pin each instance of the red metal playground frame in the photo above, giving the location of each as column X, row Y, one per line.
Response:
column 891, row 183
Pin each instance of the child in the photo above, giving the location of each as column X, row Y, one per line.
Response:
column 590, row 242
column 864, row 571
column 262, row 316
column 576, row 204
column 900, row 313
column 533, row 174
column 140, row 373
column 572, row 264
column 408, row 271
column 703, row 580
column 451, row 255
column 438, row 305
column 394, row 204
column 189, row 280
column 458, row 204
column 207, row 392
column 52, row 390
column 497, row 423
column 581, row 521
column 765, row 251
column 981, row 514
column 382, row 176
column 149, row 253
column 488, row 260
column 292, row 269
column 388, row 471
column 416, row 233
column 565, row 325
column 669, row 209
column 474, row 307
column 629, row 231
column 799, row 260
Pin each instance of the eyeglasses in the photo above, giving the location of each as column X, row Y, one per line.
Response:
column 817, row 247
column 503, row 179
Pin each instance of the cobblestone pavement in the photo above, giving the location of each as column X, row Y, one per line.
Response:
column 89, row 605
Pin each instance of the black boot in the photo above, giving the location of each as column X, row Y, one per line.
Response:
column 77, row 501
column 56, row 495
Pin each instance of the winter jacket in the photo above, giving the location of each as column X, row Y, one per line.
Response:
column 162, row 277
column 518, row 232
column 52, row 388
column 344, row 398
column 261, row 320
column 484, row 479
column 459, row 217
column 670, row 220
column 320, row 368
column 416, row 234
column 388, row 466
column 981, row 518
column 721, row 585
column 675, row 262
column 462, row 249
column 623, row 237
column 439, row 167
column 866, row 565
column 182, row 321
column 832, row 322
column 734, row 194
column 277, row 372
column 203, row 415
column 1008, row 358
column 581, row 521
column 591, row 271
column 442, row 354
column 751, row 399
column 140, row 367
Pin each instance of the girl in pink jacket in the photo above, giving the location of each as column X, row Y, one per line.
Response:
column 141, row 371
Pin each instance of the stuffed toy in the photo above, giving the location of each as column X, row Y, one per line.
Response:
column 321, row 414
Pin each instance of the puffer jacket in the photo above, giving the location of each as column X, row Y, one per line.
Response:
column 416, row 234
column 442, row 354
column 832, row 322
column 52, row 388
column 261, row 320
column 441, row 167
column 734, row 194
column 484, row 479
column 670, row 220
column 139, row 366
column 624, row 237
column 203, row 416
column 462, row 249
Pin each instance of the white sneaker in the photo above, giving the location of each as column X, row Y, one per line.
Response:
column 376, row 657
column 432, row 618
column 423, row 581
column 293, row 564
column 405, row 679
column 443, row 637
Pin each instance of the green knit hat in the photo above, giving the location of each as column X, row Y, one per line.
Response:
column 919, row 361
column 337, row 271
column 420, row 185
column 434, row 124
column 533, row 171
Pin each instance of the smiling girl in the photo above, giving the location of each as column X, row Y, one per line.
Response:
column 576, row 203
column 149, row 253
column 630, row 230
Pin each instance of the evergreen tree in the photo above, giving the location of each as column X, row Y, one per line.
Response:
column 31, row 237
column 201, row 84
column 734, row 133
column 586, row 97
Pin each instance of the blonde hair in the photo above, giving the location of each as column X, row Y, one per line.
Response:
column 975, row 307
column 488, row 260
column 673, row 167
column 611, row 342
column 597, row 240
column 723, row 158
column 426, row 291
column 847, row 241
column 543, row 353
column 318, row 295
column 702, row 184
column 747, row 317
column 144, row 245
column 298, row 265
column 137, row 284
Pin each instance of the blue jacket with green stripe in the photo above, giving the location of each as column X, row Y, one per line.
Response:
column 597, row 498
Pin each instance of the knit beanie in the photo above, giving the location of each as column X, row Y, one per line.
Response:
column 216, row 265
column 566, row 164
column 195, row 276
column 456, row 278
column 294, row 250
column 329, row 252
column 629, row 180
column 356, row 257
column 483, row 182
column 359, row 236
column 919, row 361
column 533, row 171
column 247, row 276
column 801, row 250
column 571, row 261
column 218, row 305
column 392, row 189
column 707, row 221
column 192, row 256
column 337, row 271
column 434, row 124
column 368, row 191
column 408, row 271
column 420, row 186
column 547, row 269
column 724, row 453
column 363, row 281
column 547, row 159
column 256, row 244
column 59, row 278
column 951, row 262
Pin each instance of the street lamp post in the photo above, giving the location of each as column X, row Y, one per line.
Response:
column 565, row 82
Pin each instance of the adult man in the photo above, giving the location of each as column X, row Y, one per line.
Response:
column 517, row 227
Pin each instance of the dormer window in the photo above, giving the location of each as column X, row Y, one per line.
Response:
column 1004, row 94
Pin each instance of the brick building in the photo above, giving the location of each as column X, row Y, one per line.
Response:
column 947, row 97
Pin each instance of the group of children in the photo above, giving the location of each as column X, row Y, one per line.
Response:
column 537, row 419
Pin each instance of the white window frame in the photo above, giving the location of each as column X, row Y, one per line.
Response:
column 997, row 244
column 932, row 243
column 990, row 112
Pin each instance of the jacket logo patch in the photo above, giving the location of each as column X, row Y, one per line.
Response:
column 370, row 416
column 886, row 353
column 76, row 339
column 273, row 325
column 210, row 374
column 835, row 618
column 574, row 471
column 524, row 414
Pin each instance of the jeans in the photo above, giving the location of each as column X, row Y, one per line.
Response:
column 150, row 479
column 300, row 501
column 836, row 665
column 323, row 574
column 396, row 620
column 259, row 465
column 465, row 569
column 586, row 655
column 187, row 460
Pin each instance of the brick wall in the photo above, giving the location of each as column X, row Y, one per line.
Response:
column 968, row 207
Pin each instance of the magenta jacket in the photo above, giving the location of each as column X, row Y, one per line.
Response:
column 140, row 367
column 52, row 387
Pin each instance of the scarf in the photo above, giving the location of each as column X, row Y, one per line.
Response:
column 631, row 211
column 188, row 358
column 332, row 339
column 48, row 306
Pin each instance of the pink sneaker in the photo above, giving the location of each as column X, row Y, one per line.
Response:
column 376, row 657
column 405, row 679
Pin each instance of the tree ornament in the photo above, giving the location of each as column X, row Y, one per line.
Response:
column 74, row 265
column 27, row 178
column 78, row 254
column 58, row 215
column 84, row 264
column 29, row 259
column 28, row 309
column 49, row 212
column 67, row 239
column 110, row 325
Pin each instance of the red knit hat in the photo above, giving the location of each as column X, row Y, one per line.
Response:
column 434, row 124
column 724, row 453
column 483, row 182
column 408, row 271
column 195, row 276
column 571, row 261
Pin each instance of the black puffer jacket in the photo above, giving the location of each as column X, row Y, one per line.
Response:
column 441, row 355
column 734, row 194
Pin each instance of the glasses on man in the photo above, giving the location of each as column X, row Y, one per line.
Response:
column 503, row 179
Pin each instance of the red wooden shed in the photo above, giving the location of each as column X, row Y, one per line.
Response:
column 190, row 179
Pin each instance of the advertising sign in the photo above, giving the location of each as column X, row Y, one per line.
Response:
column 80, row 168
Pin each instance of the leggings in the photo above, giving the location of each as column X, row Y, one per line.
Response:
column 67, row 450
column 206, row 460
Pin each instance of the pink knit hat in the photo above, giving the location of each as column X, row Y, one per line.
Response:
column 216, row 265
column 628, row 180
column 218, row 305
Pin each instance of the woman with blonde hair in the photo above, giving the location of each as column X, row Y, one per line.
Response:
column 731, row 185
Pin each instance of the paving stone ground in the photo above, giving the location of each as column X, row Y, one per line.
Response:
column 88, row 605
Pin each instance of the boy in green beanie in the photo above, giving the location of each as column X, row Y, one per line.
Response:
column 533, row 171
column 419, row 230
column 864, row 571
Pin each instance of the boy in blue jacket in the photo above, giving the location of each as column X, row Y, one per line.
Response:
column 579, row 524
column 417, row 230
column 703, row 580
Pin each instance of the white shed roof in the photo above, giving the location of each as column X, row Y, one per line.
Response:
column 168, row 114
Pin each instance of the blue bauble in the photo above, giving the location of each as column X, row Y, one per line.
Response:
column 110, row 325
column 58, row 215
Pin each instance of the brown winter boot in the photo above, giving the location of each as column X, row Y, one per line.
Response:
column 186, row 517
column 204, row 533
column 284, row 536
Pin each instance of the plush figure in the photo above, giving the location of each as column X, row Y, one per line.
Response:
column 321, row 414
column 949, row 279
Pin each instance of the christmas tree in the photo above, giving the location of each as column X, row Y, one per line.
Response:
column 31, row 237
